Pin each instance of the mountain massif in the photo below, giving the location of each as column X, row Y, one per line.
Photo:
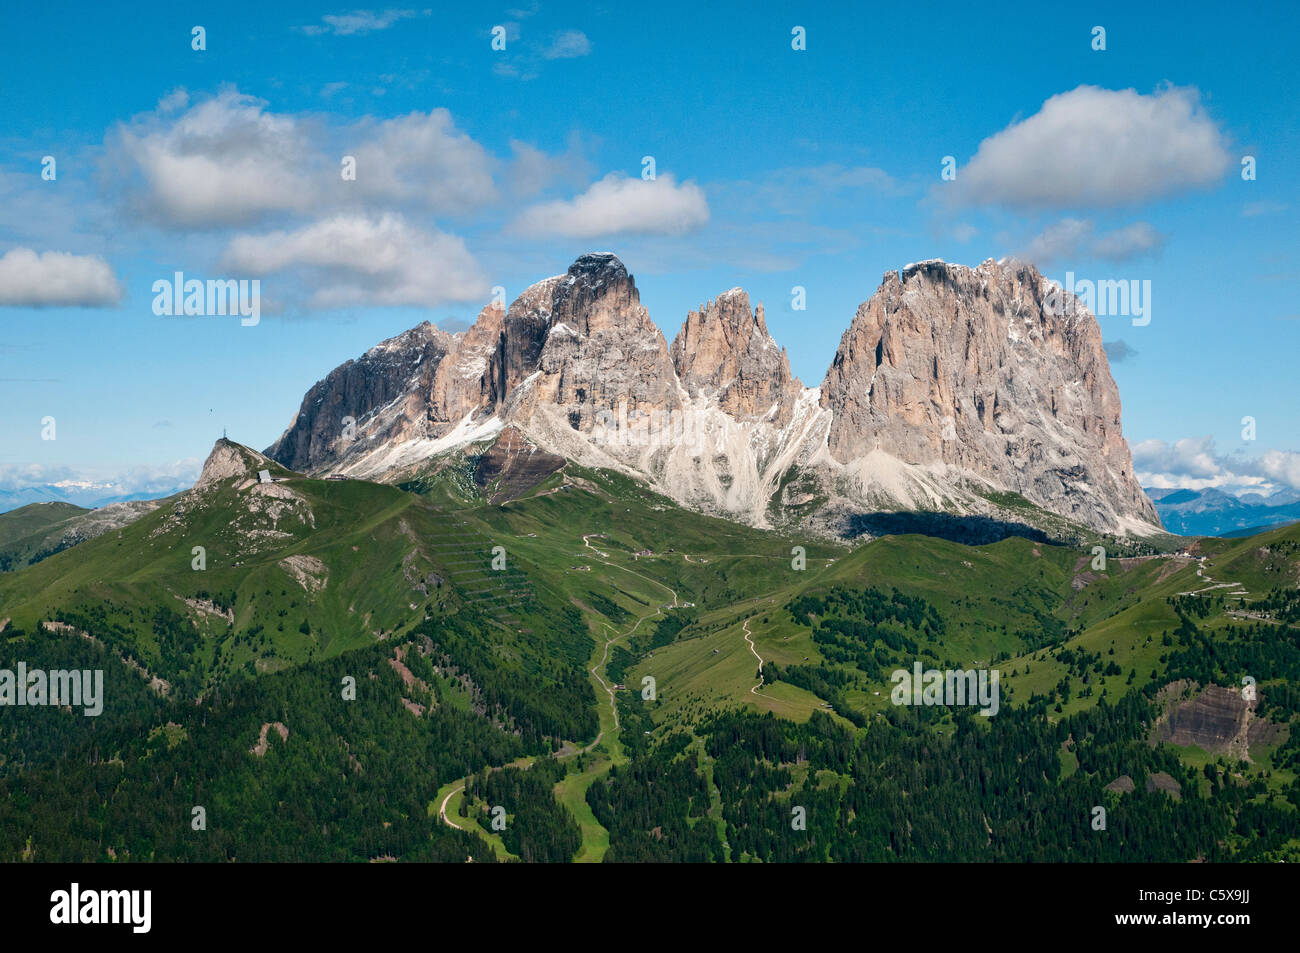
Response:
column 952, row 387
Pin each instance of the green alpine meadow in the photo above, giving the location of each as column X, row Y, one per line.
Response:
column 343, row 674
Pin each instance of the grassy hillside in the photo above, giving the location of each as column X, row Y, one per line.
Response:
column 24, row 532
column 594, row 636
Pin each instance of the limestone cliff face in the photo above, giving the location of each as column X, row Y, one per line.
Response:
column 950, row 383
column 600, row 349
column 472, row 374
column 724, row 351
column 385, row 390
column 970, row 369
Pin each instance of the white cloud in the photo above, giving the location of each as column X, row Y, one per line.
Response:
column 228, row 161
column 225, row 161
column 1060, row 240
column 423, row 157
column 21, row 483
column 358, row 22
column 357, row 260
column 55, row 278
column 1078, row 238
column 178, row 98
column 1282, row 466
column 567, row 44
column 1131, row 241
column 618, row 205
column 1191, row 457
column 1193, row 463
column 1097, row 147
column 531, row 169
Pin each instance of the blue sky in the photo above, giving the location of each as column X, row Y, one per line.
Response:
column 775, row 168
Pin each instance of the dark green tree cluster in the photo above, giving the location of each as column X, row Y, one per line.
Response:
column 656, row 807
column 539, row 829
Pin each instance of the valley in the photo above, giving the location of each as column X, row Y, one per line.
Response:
column 535, row 673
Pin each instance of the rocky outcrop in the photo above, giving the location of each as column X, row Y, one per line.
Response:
column 383, row 394
column 725, row 351
column 600, row 349
column 968, row 371
column 263, row 743
column 513, row 466
column 1122, row 785
column 229, row 460
column 472, row 374
column 265, row 514
column 1217, row 720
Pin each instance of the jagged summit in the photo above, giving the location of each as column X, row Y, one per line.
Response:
column 591, row 279
column 724, row 350
column 952, row 384
column 596, row 267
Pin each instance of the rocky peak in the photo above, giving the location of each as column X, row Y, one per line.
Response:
column 967, row 367
column 724, row 350
column 343, row 405
column 229, row 460
column 600, row 347
column 472, row 374
column 594, row 292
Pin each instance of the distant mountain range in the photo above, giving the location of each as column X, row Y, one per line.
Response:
column 86, row 495
column 1215, row 513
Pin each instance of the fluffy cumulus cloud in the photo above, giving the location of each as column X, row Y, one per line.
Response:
column 53, row 279
column 618, row 205
column 1194, row 463
column 225, row 160
column 423, row 158
column 228, row 161
column 1283, row 466
column 362, row 260
column 1093, row 147
column 1191, row 457
column 1073, row 238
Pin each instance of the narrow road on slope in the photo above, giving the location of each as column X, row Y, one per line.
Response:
column 1200, row 571
column 586, row 541
column 754, row 690
column 604, row 657
column 442, row 809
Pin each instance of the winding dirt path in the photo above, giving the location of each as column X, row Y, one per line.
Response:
column 754, row 690
column 442, row 809
column 1200, row 572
